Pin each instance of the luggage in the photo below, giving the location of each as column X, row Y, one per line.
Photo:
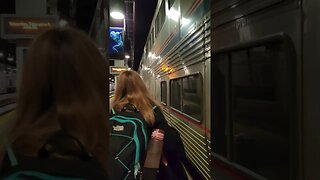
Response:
column 46, row 167
column 128, row 143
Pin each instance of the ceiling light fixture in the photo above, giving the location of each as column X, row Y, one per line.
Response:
column 117, row 15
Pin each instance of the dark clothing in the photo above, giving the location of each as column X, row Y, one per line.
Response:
column 173, row 149
column 37, row 168
column 49, row 164
column 172, row 140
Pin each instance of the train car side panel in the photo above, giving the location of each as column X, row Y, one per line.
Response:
column 311, row 98
column 252, row 36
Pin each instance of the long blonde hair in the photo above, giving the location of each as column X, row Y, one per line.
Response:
column 131, row 89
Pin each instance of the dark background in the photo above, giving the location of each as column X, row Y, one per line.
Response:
column 144, row 14
column 83, row 18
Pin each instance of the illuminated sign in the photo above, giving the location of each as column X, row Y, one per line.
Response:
column 167, row 69
column 117, row 70
column 15, row 27
column 116, row 49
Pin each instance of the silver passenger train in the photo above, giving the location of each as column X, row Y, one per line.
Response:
column 239, row 81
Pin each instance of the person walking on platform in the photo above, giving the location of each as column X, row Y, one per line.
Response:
column 60, row 129
column 132, row 95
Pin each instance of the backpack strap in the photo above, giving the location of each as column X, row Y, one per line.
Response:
column 57, row 142
column 113, row 111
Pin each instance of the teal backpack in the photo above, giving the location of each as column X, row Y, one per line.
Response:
column 128, row 143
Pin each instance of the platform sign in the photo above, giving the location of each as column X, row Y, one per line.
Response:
column 16, row 27
column 117, row 69
column 116, row 49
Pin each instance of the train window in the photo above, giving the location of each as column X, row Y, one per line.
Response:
column 157, row 28
column 192, row 96
column 171, row 3
column 162, row 13
column 149, row 44
column 260, row 119
column 253, row 108
column 186, row 95
column 147, row 49
column 164, row 92
column 160, row 19
column 219, row 110
column 175, row 93
column 152, row 36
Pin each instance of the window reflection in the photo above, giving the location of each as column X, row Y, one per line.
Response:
column 218, row 100
column 164, row 92
column 186, row 95
column 192, row 96
column 175, row 93
column 251, row 107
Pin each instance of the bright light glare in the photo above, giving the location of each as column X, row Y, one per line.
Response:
column 127, row 56
column 174, row 15
column 185, row 21
column 129, row 69
column 186, row 70
column 117, row 15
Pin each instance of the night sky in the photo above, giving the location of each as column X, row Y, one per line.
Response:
column 144, row 14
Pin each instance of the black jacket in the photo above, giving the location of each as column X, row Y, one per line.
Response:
column 173, row 149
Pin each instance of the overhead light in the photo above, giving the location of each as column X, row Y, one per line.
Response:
column 127, row 56
column 117, row 15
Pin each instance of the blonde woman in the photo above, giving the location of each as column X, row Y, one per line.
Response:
column 131, row 89
column 131, row 94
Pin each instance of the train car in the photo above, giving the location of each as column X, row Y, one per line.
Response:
column 176, row 68
column 239, row 80
column 265, row 100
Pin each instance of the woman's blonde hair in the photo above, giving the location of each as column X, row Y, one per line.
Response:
column 131, row 89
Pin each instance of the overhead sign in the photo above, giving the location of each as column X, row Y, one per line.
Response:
column 117, row 70
column 116, row 49
column 15, row 27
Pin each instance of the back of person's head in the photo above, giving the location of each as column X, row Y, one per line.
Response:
column 63, row 88
column 130, row 88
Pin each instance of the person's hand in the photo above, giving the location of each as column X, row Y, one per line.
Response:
column 157, row 135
